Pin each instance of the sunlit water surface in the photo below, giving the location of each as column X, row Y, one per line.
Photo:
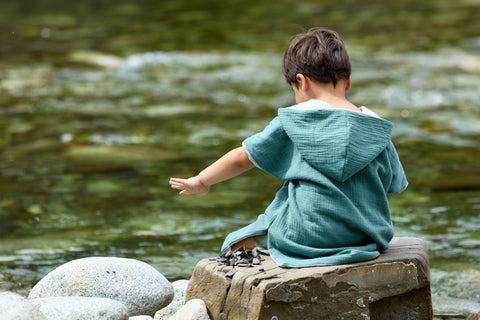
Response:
column 87, row 153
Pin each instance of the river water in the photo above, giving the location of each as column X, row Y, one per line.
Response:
column 101, row 102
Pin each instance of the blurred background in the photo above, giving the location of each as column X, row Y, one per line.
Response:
column 102, row 101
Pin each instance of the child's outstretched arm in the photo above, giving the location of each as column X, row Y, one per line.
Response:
column 230, row 165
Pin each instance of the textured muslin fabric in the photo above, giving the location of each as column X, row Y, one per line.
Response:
column 338, row 166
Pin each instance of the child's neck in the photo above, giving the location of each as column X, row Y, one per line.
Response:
column 333, row 95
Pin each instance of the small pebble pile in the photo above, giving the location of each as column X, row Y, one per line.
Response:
column 241, row 257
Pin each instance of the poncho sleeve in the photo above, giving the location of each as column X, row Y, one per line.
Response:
column 270, row 149
column 399, row 180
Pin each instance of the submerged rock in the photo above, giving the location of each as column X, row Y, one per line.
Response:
column 447, row 307
column 463, row 177
column 95, row 59
column 464, row 285
column 136, row 284
column 101, row 155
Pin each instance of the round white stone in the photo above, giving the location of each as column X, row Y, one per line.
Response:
column 16, row 307
column 139, row 286
column 194, row 309
column 180, row 289
column 80, row 308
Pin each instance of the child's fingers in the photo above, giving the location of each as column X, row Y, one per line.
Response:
column 176, row 180
column 177, row 183
column 177, row 186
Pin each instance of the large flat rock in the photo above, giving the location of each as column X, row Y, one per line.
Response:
column 394, row 286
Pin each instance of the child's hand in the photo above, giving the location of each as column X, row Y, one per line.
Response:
column 189, row 186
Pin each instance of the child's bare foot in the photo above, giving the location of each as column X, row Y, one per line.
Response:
column 245, row 243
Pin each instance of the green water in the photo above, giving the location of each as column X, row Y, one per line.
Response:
column 102, row 101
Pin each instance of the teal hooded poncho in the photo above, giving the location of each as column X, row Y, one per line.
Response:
column 338, row 166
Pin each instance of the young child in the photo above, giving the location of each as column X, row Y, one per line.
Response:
column 337, row 161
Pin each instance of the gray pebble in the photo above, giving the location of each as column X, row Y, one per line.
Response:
column 230, row 273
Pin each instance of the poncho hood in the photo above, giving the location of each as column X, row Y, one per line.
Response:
column 336, row 142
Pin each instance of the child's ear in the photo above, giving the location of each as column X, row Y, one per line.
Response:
column 349, row 84
column 302, row 81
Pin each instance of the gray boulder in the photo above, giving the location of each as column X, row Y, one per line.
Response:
column 80, row 308
column 139, row 286
column 194, row 309
column 180, row 288
column 15, row 307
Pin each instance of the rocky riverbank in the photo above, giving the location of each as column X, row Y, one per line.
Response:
column 101, row 288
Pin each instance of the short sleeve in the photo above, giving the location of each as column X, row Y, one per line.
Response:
column 399, row 180
column 270, row 149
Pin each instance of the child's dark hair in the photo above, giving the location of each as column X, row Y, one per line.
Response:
column 319, row 54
